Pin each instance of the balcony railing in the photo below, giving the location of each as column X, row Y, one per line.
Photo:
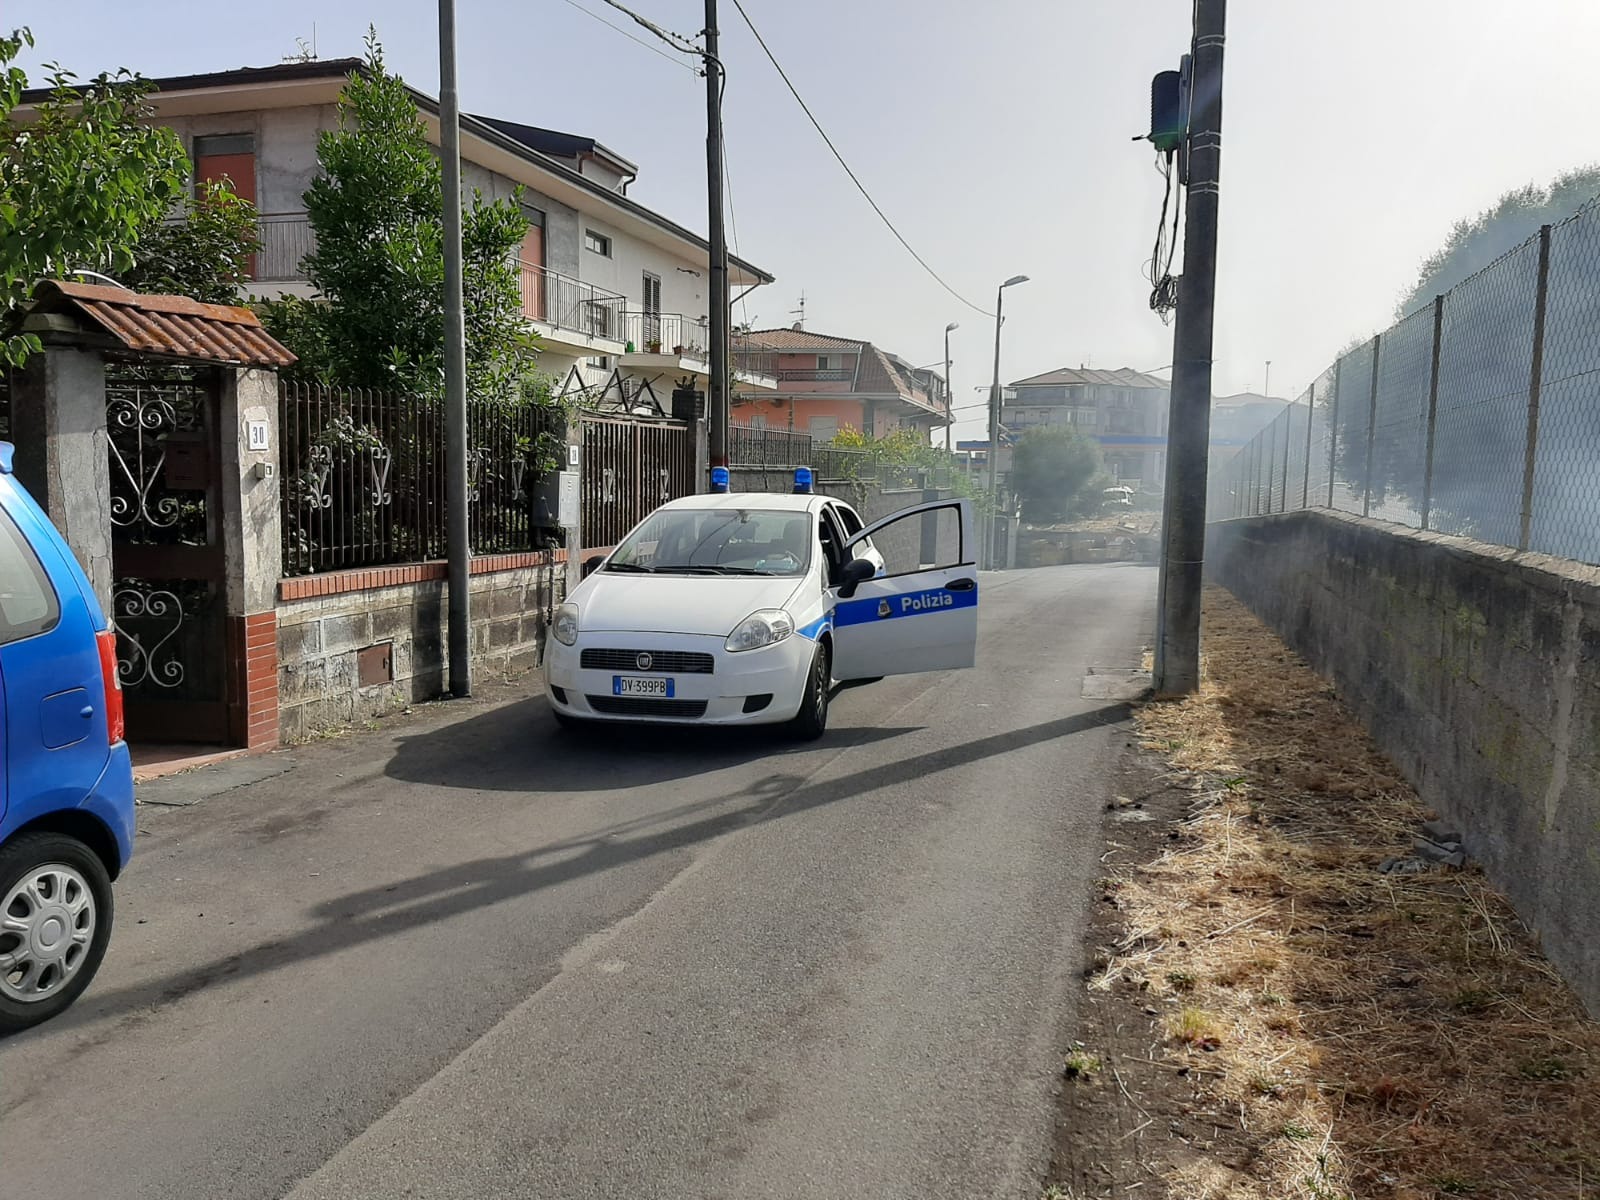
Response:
column 570, row 304
column 816, row 375
column 667, row 333
column 286, row 239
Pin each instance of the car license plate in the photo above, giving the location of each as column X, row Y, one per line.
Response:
column 654, row 687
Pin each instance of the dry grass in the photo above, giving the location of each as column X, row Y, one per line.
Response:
column 1372, row 1035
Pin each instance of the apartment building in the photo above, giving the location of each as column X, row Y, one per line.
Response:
column 618, row 293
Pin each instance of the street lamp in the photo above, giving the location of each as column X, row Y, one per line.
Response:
column 949, row 417
column 994, row 408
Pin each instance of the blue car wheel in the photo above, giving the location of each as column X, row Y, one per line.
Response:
column 55, row 922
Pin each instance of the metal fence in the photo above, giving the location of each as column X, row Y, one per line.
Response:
column 1478, row 414
column 629, row 469
column 364, row 477
column 666, row 333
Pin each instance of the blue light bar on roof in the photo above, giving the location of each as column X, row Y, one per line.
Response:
column 802, row 481
column 719, row 479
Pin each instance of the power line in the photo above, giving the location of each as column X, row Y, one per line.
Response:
column 638, row 41
column 676, row 40
column 817, row 125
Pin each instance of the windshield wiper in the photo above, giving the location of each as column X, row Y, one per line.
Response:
column 717, row 569
column 628, row 567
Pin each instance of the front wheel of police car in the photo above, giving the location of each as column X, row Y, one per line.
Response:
column 811, row 722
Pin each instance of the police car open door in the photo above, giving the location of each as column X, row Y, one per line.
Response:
column 921, row 612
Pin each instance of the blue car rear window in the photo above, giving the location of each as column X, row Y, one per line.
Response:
column 28, row 603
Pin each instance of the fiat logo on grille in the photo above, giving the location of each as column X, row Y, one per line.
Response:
column 644, row 662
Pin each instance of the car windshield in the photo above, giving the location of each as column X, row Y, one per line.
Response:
column 720, row 541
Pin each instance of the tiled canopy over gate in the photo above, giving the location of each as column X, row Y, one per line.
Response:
column 168, row 326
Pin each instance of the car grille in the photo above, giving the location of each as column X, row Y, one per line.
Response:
column 629, row 706
column 663, row 662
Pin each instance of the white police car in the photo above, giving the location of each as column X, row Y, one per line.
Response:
column 745, row 608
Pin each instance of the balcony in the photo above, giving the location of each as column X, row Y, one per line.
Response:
column 569, row 314
column 286, row 239
column 672, row 344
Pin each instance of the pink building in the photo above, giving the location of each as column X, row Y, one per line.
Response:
column 826, row 384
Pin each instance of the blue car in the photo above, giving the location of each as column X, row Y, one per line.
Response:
column 66, row 781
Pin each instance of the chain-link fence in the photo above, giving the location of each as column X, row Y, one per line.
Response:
column 1478, row 414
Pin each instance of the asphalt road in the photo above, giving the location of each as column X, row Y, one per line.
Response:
column 469, row 956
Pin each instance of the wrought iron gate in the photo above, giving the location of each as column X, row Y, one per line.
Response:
column 629, row 469
column 167, row 598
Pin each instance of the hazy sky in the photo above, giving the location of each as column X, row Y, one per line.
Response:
column 996, row 135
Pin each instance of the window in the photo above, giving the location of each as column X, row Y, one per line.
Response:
column 824, row 363
column 921, row 541
column 225, row 144
column 823, row 429
column 600, row 362
column 597, row 319
column 27, row 601
column 598, row 242
column 652, row 294
column 720, row 541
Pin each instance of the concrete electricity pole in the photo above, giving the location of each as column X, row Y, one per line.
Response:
column 949, row 413
column 1177, row 665
column 994, row 417
column 458, row 543
column 717, row 391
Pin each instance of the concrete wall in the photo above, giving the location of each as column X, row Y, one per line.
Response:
column 321, row 637
column 1477, row 669
column 285, row 142
column 563, row 234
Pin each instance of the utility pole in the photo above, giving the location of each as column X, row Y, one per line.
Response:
column 717, row 392
column 459, row 547
column 1177, row 665
column 994, row 416
column 949, row 413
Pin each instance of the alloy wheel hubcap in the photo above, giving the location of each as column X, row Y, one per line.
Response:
column 47, row 923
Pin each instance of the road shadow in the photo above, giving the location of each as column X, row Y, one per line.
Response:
column 371, row 914
column 518, row 747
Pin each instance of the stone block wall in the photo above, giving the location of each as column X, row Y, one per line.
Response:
column 1477, row 670
column 326, row 622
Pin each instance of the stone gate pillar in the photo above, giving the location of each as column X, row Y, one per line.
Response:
column 252, row 549
column 58, row 422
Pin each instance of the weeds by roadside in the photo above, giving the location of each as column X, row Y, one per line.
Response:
column 1321, row 1030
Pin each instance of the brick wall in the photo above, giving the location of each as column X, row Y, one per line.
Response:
column 325, row 622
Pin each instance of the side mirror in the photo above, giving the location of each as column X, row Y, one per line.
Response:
column 592, row 563
column 856, row 572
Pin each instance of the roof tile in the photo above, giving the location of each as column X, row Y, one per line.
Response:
column 175, row 326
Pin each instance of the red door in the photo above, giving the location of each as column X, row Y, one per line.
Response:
column 228, row 159
column 533, row 278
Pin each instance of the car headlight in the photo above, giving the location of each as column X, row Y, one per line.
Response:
column 566, row 624
column 763, row 628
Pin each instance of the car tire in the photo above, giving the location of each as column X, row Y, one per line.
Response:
column 71, row 870
column 811, row 722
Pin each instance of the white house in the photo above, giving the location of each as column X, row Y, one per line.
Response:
column 618, row 293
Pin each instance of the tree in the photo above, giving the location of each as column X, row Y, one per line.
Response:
column 1487, row 268
column 1056, row 473
column 79, row 181
column 379, row 261
column 1476, row 242
column 204, row 255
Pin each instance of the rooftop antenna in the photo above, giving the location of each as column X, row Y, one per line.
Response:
column 306, row 51
column 800, row 312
